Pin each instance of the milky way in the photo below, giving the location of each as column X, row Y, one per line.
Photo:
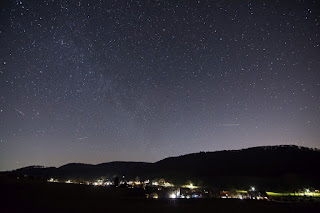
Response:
column 98, row 81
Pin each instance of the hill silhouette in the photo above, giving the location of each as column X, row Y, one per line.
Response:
column 283, row 167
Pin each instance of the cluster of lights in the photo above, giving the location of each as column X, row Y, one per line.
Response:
column 108, row 183
column 183, row 196
column 190, row 186
column 99, row 183
column 146, row 182
column 53, row 180
column 164, row 184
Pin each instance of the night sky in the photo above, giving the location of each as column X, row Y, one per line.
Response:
column 99, row 81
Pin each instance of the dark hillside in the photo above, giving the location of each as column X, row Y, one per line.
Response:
column 270, row 166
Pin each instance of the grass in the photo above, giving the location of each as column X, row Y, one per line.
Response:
column 283, row 194
column 242, row 191
column 308, row 194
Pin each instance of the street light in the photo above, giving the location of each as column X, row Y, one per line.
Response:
column 173, row 195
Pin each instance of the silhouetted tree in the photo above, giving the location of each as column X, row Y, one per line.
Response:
column 116, row 181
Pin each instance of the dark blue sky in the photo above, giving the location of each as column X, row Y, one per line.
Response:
column 97, row 81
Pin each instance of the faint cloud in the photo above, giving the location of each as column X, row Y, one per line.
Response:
column 82, row 138
column 230, row 125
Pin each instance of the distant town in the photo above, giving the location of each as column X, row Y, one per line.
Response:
column 162, row 189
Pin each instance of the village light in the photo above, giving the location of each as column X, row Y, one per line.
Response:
column 173, row 195
column 190, row 186
column 166, row 184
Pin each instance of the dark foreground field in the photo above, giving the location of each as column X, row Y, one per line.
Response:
column 54, row 197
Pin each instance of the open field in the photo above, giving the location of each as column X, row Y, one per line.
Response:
column 308, row 194
column 285, row 194
column 55, row 197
